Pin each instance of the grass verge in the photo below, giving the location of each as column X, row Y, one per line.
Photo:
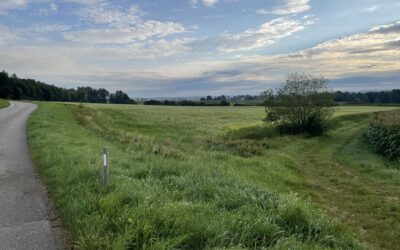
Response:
column 4, row 103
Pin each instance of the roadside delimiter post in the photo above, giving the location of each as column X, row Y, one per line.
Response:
column 105, row 167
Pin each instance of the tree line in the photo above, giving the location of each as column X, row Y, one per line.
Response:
column 12, row 87
column 372, row 97
column 186, row 103
column 392, row 96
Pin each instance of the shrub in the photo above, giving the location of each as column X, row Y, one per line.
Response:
column 300, row 106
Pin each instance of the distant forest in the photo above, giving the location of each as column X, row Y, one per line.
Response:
column 377, row 97
column 382, row 97
column 12, row 87
column 186, row 103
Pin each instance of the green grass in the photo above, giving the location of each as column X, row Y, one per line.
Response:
column 4, row 103
column 352, row 110
column 213, row 177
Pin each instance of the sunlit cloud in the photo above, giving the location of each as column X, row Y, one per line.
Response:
column 267, row 34
column 289, row 7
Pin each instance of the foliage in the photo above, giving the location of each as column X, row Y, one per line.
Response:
column 12, row 87
column 383, row 134
column 121, row 98
column 301, row 105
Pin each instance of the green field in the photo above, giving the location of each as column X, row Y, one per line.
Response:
column 214, row 178
column 4, row 103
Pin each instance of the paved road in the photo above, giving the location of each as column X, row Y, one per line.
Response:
column 24, row 214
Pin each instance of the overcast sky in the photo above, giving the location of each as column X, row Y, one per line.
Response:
column 173, row 48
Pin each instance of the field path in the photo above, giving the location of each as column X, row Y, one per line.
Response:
column 24, row 214
column 367, row 204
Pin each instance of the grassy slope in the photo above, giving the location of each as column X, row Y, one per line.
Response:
column 174, row 185
column 4, row 103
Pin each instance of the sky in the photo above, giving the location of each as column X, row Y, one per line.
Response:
column 178, row 48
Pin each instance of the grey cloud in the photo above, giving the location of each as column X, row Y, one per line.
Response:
column 386, row 29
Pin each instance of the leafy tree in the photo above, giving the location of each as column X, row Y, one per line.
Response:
column 12, row 87
column 120, row 97
column 301, row 105
column 102, row 95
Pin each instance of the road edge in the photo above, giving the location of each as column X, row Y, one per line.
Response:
column 61, row 235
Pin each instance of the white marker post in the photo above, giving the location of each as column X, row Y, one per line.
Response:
column 105, row 167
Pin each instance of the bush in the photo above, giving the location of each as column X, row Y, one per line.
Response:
column 301, row 106
column 383, row 134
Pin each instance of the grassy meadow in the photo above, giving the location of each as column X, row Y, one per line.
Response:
column 4, row 103
column 214, row 178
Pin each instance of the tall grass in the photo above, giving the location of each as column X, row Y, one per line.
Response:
column 200, row 199
column 383, row 134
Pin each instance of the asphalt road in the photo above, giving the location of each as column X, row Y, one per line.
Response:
column 25, row 220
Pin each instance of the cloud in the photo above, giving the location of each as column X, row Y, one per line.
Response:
column 6, row 5
column 290, row 7
column 386, row 29
column 107, row 31
column 123, row 34
column 54, row 7
column 371, row 8
column 84, row 2
column 265, row 35
column 7, row 36
column 47, row 28
column 366, row 53
column 208, row 3
column 120, row 26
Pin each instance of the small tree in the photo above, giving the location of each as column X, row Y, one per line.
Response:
column 301, row 105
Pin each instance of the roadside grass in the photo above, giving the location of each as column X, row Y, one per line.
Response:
column 181, row 178
column 4, row 103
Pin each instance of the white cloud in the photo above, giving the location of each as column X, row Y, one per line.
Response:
column 54, row 7
column 290, row 7
column 360, row 54
column 208, row 3
column 7, row 36
column 118, row 26
column 47, row 28
column 111, row 15
column 372, row 8
column 265, row 35
column 84, row 2
column 6, row 5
